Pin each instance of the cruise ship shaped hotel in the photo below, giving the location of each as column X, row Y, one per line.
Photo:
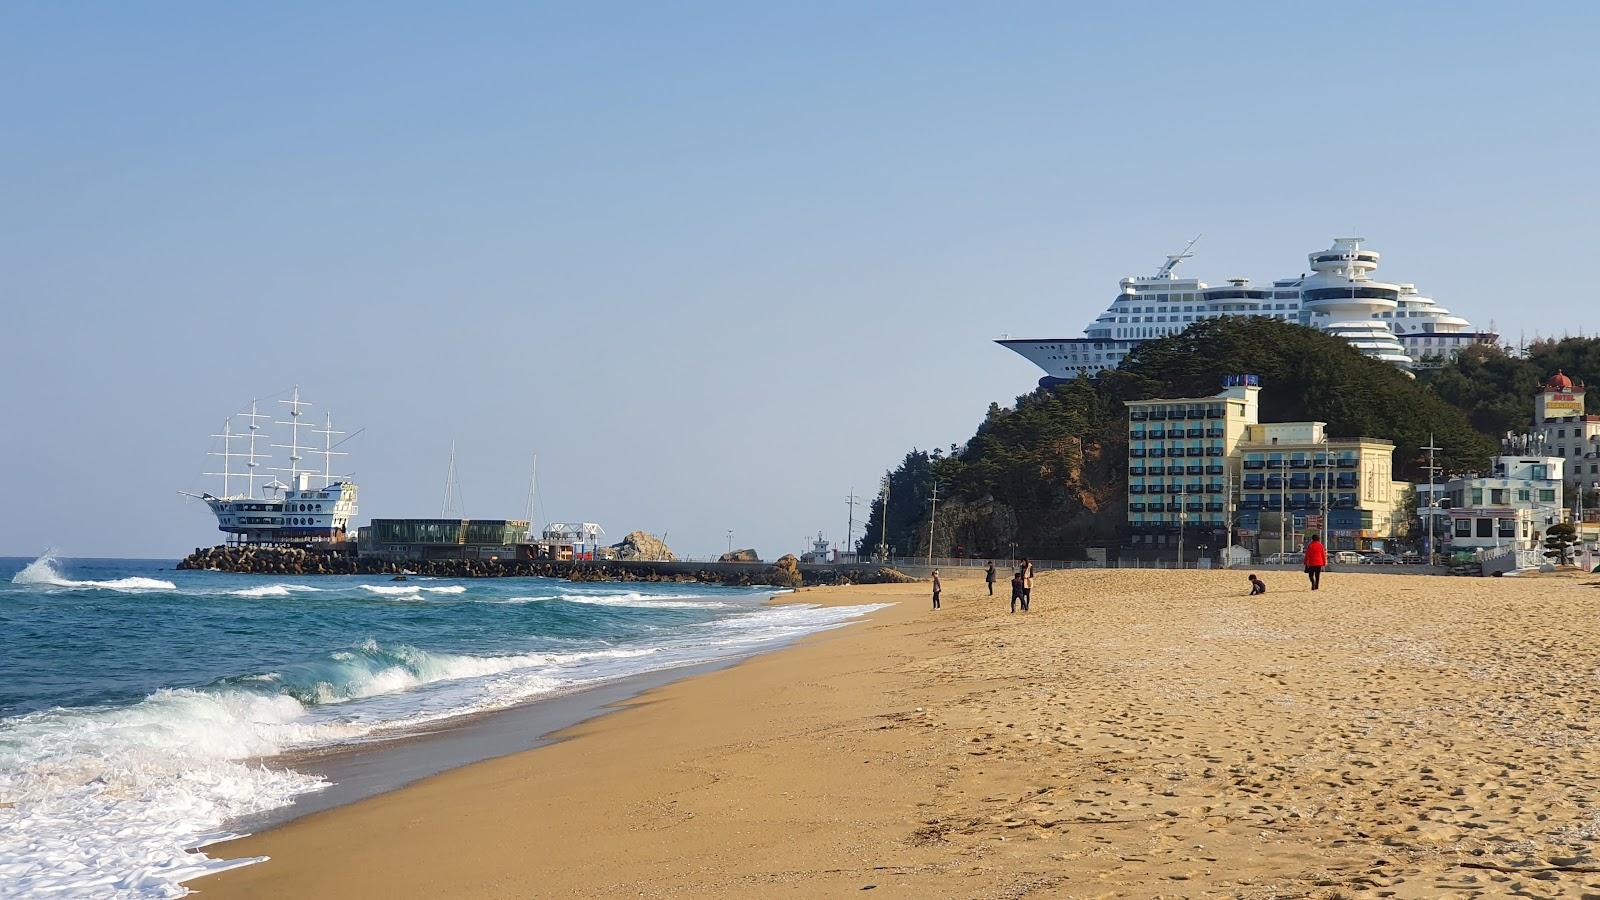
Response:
column 1387, row 321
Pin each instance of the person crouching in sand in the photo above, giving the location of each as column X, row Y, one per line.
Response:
column 1257, row 586
column 935, row 588
column 1016, row 592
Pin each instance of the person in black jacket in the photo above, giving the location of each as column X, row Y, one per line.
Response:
column 988, row 577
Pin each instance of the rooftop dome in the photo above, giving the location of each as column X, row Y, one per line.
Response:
column 1558, row 382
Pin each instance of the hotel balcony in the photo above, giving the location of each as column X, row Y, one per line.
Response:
column 1135, row 507
column 1157, row 433
column 1216, row 469
column 1135, row 488
column 1136, row 452
column 1254, row 464
column 1137, row 415
column 1136, row 471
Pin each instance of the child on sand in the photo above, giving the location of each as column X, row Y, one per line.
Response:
column 1016, row 592
column 1257, row 586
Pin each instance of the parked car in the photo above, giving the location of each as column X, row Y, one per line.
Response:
column 1347, row 557
column 1283, row 559
column 1411, row 559
column 1382, row 559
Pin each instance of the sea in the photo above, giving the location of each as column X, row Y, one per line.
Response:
column 143, row 709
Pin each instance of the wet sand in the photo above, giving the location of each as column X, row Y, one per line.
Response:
column 1138, row 734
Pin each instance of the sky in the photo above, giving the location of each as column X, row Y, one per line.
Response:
column 716, row 264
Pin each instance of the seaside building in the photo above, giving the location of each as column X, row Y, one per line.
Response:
column 1388, row 321
column 1566, row 431
column 1297, row 479
column 423, row 539
column 1179, row 453
column 1510, row 506
column 1221, row 467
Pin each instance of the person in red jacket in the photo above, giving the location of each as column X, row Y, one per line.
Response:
column 1316, row 559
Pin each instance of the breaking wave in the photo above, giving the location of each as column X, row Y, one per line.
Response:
column 42, row 572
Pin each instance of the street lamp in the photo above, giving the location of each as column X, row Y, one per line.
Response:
column 730, row 541
column 1183, row 516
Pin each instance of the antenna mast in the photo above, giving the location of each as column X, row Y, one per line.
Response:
column 451, row 506
column 533, row 489
column 1172, row 261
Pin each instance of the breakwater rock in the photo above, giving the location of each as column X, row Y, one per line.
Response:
column 293, row 561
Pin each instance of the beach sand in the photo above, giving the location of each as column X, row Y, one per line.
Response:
column 1140, row 733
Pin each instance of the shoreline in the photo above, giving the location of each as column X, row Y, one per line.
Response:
column 362, row 769
column 1139, row 734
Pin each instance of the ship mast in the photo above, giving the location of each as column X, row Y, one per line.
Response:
column 251, row 456
column 227, row 454
column 294, row 448
column 327, row 452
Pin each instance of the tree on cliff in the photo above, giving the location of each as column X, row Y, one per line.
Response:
column 1496, row 389
column 1050, row 473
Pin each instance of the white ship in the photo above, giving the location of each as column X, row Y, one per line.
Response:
column 314, row 507
column 1387, row 321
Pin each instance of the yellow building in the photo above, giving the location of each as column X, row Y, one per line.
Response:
column 1179, row 472
column 1197, row 466
column 1296, row 479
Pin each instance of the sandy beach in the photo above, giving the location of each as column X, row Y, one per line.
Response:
column 1141, row 734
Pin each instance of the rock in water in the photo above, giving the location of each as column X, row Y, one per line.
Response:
column 644, row 546
column 787, row 572
column 741, row 556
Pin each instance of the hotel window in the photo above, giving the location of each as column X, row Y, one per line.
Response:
column 1547, row 495
column 1464, row 528
column 1477, row 496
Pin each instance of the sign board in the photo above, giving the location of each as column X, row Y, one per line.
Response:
column 1558, row 406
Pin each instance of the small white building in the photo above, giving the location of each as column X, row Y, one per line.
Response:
column 1512, row 505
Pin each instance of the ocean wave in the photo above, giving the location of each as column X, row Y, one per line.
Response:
column 398, row 589
column 642, row 601
column 274, row 590
column 42, row 572
column 113, row 801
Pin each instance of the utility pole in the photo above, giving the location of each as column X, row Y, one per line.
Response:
column 933, row 520
column 1433, row 498
column 883, row 523
column 1227, row 514
column 730, row 541
column 850, row 526
column 1283, row 505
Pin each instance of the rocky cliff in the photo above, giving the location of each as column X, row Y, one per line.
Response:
column 642, row 545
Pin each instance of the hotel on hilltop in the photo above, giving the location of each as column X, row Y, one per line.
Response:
column 1201, row 465
column 1390, row 321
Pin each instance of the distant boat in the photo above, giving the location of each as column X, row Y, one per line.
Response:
column 293, row 513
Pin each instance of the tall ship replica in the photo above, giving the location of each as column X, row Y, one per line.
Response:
column 315, row 506
column 1387, row 321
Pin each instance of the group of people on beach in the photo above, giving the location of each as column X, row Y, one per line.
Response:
column 1316, row 559
column 1021, row 584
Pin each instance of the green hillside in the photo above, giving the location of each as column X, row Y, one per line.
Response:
column 1050, row 472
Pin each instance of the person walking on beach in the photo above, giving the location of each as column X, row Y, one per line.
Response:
column 1316, row 560
column 1027, row 584
column 935, row 588
column 1016, row 591
column 988, row 577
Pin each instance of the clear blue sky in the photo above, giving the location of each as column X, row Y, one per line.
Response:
column 715, row 263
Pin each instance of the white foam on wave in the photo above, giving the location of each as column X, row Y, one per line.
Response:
column 42, row 572
column 274, row 590
column 398, row 589
column 642, row 601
